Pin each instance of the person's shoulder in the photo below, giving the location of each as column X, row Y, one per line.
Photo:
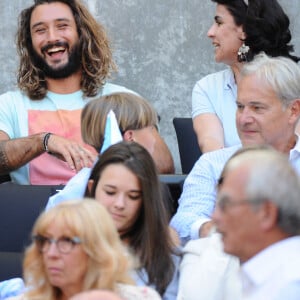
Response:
column 223, row 153
column 13, row 94
column 196, row 246
column 20, row 297
column 290, row 291
column 131, row 292
column 199, row 245
column 216, row 78
column 110, row 88
column 213, row 161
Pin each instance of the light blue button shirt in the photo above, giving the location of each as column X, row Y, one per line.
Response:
column 217, row 93
column 199, row 192
column 198, row 198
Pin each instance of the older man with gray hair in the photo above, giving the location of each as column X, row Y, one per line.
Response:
column 258, row 216
column 268, row 109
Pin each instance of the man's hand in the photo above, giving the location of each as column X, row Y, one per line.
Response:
column 74, row 154
column 174, row 237
column 205, row 229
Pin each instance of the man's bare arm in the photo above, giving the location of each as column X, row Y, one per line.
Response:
column 14, row 153
column 17, row 152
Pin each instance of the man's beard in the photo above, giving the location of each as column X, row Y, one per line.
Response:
column 71, row 67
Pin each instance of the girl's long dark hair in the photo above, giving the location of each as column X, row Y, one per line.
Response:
column 149, row 237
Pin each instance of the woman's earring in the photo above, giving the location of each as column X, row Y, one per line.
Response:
column 242, row 53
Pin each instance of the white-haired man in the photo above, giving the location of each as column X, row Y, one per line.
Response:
column 258, row 217
column 268, row 109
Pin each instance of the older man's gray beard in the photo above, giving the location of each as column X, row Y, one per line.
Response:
column 71, row 67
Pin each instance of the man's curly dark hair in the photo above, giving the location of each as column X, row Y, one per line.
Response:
column 96, row 55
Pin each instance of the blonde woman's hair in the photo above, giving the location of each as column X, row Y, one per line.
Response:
column 108, row 261
column 132, row 112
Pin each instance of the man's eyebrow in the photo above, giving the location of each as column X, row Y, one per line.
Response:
column 56, row 20
column 239, row 102
column 250, row 103
column 256, row 103
column 36, row 25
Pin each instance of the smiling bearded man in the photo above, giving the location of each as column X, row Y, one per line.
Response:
column 65, row 59
column 73, row 65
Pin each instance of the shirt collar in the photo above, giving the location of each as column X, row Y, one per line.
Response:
column 229, row 82
column 295, row 152
column 271, row 258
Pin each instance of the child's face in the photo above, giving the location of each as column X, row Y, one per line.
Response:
column 119, row 190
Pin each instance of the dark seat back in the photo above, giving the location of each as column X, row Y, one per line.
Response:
column 20, row 205
column 5, row 178
column 173, row 184
column 188, row 147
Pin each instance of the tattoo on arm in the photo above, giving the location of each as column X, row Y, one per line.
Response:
column 15, row 153
column 4, row 169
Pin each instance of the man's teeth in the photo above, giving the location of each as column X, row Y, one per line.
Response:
column 57, row 49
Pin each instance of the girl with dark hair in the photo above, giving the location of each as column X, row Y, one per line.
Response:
column 241, row 30
column 125, row 181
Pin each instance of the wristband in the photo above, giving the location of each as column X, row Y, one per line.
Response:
column 45, row 141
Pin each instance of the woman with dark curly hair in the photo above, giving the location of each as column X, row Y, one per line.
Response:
column 241, row 30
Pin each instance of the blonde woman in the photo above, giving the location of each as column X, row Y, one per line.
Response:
column 73, row 252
